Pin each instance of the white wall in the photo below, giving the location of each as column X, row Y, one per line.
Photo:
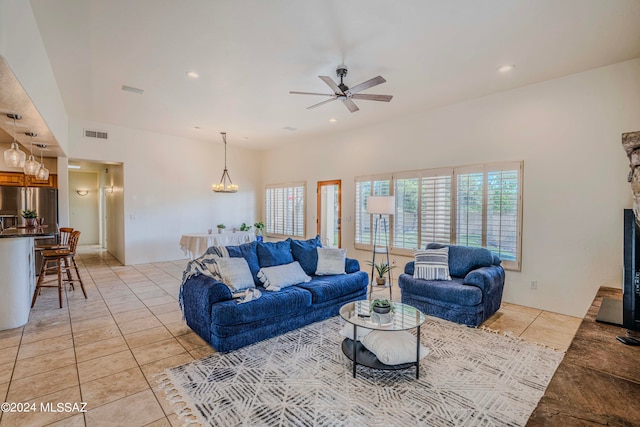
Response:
column 84, row 209
column 567, row 131
column 166, row 189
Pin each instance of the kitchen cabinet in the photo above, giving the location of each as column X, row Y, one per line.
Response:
column 17, row 179
column 13, row 179
column 31, row 181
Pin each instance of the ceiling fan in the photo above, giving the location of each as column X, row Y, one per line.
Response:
column 346, row 94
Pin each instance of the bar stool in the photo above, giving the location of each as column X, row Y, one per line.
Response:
column 63, row 241
column 59, row 261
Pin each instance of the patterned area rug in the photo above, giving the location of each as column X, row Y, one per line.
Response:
column 471, row 377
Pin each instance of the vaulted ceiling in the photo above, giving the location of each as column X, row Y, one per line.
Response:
column 250, row 53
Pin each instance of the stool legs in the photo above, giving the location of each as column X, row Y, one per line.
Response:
column 61, row 263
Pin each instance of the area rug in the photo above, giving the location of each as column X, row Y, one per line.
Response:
column 471, row 377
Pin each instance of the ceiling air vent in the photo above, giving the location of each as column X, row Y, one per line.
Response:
column 88, row 133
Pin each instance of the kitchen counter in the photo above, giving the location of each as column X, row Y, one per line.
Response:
column 44, row 231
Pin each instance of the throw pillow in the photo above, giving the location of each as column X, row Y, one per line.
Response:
column 393, row 347
column 274, row 253
column 330, row 261
column 280, row 276
column 347, row 329
column 235, row 273
column 432, row 264
column 304, row 251
column 247, row 251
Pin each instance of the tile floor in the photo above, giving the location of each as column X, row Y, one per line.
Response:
column 105, row 350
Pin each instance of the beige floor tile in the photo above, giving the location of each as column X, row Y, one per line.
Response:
column 565, row 321
column 41, row 418
column 157, row 350
column 170, row 317
column 148, row 336
column 169, row 307
column 105, row 366
column 178, row 328
column 165, row 299
column 100, row 349
column 150, row 293
column 8, row 354
column 522, row 309
column 94, row 335
column 94, row 323
column 152, row 369
column 191, row 340
column 3, row 391
column 44, row 363
column 6, row 370
column 46, row 332
column 177, row 421
column 515, row 322
column 135, row 410
column 140, row 324
column 113, row 387
column 35, row 386
column 162, row 422
column 10, row 338
column 200, row 352
column 127, row 306
column 127, row 316
column 50, row 345
column 74, row 421
column 559, row 340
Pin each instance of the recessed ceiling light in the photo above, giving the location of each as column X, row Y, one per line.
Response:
column 245, row 138
column 289, row 128
column 196, row 127
column 133, row 89
column 73, row 166
column 192, row 74
column 506, row 68
column 332, row 120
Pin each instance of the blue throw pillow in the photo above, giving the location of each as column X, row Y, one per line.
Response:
column 248, row 252
column 463, row 259
column 304, row 251
column 274, row 253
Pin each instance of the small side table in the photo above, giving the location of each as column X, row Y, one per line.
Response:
column 405, row 317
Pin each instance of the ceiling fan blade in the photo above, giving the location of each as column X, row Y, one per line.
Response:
column 323, row 102
column 366, row 85
column 334, row 87
column 310, row 93
column 350, row 105
column 385, row 98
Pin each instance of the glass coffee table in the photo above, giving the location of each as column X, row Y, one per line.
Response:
column 403, row 317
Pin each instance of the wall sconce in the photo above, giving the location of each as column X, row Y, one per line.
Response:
column 82, row 192
column 109, row 189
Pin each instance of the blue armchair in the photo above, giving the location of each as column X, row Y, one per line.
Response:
column 472, row 295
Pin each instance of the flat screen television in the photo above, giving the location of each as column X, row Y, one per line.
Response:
column 626, row 313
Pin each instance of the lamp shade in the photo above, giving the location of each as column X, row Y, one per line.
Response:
column 382, row 205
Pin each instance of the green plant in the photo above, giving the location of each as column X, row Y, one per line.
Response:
column 245, row 227
column 259, row 225
column 382, row 303
column 382, row 268
column 221, row 226
column 27, row 213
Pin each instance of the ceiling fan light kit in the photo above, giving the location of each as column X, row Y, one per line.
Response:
column 344, row 93
column 225, row 185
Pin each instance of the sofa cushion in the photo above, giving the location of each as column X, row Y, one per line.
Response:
column 248, row 252
column 330, row 261
column 280, row 276
column 432, row 264
column 452, row 291
column 327, row 288
column 289, row 301
column 274, row 253
column 235, row 273
column 304, row 251
column 463, row 259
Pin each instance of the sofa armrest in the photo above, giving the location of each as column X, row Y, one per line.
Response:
column 198, row 294
column 409, row 268
column 489, row 279
column 351, row 265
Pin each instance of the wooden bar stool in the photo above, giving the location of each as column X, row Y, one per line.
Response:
column 59, row 261
column 63, row 240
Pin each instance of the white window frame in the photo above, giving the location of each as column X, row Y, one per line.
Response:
column 360, row 210
column 277, row 227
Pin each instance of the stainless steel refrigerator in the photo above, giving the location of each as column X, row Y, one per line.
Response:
column 13, row 200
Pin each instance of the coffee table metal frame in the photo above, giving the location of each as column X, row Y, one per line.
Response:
column 404, row 317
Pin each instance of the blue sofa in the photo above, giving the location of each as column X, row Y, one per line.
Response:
column 472, row 295
column 214, row 315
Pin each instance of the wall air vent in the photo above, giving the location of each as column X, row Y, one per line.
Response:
column 98, row 134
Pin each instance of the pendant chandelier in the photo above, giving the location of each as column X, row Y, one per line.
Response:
column 13, row 157
column 31, row 166
column 43, row 172
column 225, row 185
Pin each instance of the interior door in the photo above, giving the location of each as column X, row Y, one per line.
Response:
column 329, row 212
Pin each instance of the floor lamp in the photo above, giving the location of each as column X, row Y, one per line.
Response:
column 380, row 205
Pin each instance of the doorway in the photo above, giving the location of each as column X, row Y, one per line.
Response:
column 329, row 212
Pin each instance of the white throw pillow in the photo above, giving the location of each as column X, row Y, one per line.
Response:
column 280, row 276
column 432, row 264
column 393, row 347
column 330, row 261
column 347, row 329
column 235, row 273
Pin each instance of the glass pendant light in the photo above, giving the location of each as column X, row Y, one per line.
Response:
column 43, row 172
column 13, row 157
column 31, row 166
column 225, row 185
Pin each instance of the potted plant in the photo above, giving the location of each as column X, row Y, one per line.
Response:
column 245, row 227
column 382, row 269
column 259, row 226
column 221, row 228
column 30, row 217
column 381, row 306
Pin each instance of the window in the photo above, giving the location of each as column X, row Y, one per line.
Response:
column 478, row 206
column 285, row 210
column 379, row 185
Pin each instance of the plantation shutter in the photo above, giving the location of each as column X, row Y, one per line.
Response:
column 435, row 193
column 406, row 217
column 503, row 214
column 285, row 207
column 377, row 185
column 469, row 206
